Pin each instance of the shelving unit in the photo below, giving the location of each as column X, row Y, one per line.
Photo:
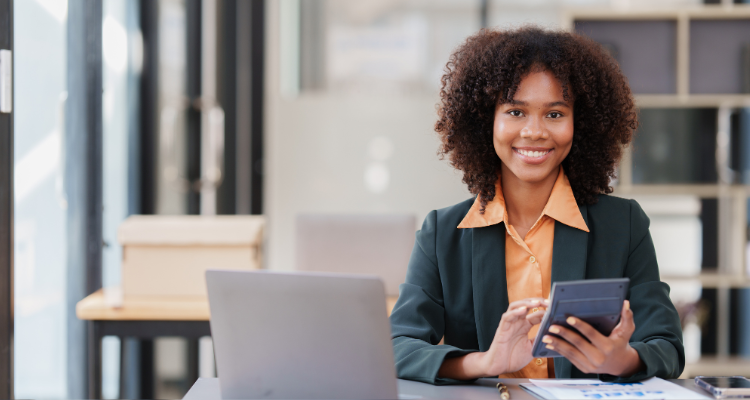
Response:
column 693, row 73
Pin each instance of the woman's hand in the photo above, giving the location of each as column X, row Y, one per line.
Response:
column 510, row 349
column 611, row 355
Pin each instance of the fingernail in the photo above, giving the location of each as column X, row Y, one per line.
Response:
column 522, row 308
column 546, row 339
column 571, row 320
column 627, row 304
column 546, row 301
column 554, row 329
column 549, row 346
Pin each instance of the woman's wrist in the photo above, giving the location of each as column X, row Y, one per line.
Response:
column 470, row 366
column 633, row 363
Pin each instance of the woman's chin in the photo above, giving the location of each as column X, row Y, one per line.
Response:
column 533, row 175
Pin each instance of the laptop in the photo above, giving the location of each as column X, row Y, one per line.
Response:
column 378, row 245
column 300, row 335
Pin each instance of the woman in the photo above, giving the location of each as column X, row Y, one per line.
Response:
column 536, row 120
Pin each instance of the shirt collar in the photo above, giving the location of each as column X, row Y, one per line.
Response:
column 561, row 206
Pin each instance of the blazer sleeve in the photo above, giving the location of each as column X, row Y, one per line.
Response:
column 658, row 334
column 418, row 318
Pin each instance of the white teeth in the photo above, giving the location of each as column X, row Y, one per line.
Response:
column 534, row 154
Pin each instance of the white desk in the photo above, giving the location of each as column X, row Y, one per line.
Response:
column 483, row 389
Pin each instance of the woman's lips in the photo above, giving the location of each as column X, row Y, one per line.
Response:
column 533, row 155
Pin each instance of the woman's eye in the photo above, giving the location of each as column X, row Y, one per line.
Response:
column 554, row 114
column 515, row 113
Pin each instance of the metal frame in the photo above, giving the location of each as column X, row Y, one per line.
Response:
column 228, row 92
column 257, row 63
column 149, row 100
column 6, row 222
column 194, row 68
column 83, row 179
column 146, row 331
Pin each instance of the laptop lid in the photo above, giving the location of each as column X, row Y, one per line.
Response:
column 300, row 335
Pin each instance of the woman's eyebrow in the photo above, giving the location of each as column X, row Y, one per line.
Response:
column 558, row 103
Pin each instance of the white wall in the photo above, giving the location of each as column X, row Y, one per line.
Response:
column 317, row 155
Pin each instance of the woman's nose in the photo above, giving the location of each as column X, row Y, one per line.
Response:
column 534, row 130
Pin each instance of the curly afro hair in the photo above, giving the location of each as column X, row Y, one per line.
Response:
column 486, row 70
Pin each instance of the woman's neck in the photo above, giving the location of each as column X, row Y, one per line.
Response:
column 525, row 201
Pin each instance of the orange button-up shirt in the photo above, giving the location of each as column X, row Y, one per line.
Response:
column 528, row 261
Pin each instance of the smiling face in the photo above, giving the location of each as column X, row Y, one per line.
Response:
column 533, row 133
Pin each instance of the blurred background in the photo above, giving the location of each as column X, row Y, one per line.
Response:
column 292, row 108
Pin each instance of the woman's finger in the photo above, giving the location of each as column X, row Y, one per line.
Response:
column 530, row 303
column 588, row 331
column 568, row 351
column 536, row 317
column 626, row 326
column 511, row 316
column 574, row 339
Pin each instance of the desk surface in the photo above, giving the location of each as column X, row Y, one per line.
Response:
column 208, row 389
column 94, row 307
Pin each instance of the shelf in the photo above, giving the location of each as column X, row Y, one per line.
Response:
column 713, row 280
column 717, row 366
column 706, row 190
column 692, row 100
column 733, row 11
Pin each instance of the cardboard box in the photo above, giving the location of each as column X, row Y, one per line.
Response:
column 167, row 256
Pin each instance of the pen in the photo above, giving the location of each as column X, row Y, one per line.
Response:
column 504, row 393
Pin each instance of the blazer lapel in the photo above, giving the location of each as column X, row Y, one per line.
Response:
column 569, row 254
column 488, row 280
column 569, row 251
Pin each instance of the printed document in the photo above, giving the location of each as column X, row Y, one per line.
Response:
column 654, row 388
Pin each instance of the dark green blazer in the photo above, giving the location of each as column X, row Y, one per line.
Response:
column 456, row 288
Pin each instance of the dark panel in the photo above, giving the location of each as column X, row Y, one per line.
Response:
column 710, row 227
column 743, row 126
column 243, row 107
column 227, row 97
column 193, row 8
column 6, row 221
column 743, row 322
column 257, row 11
column 708, row 330
column 149, row 98
column 735, row 321
column 645, row 50
column 675, row 145
column 716, row 55
column 152, row 329
column 735, row 141
column 83, row 177
column 148, row 374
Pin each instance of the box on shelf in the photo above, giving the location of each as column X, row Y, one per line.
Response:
column 167, row 256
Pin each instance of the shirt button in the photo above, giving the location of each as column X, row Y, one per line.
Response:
column 532, row 259
column 539, row 361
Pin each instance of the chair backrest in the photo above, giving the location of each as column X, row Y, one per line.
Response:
column 368, row 244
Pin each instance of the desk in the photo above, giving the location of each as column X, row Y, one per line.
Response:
column 483, row 389
column 145, row 318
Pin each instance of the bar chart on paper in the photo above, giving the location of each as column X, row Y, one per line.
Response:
column 654, row 388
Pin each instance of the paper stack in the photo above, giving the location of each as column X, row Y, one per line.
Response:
column 654, row 388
